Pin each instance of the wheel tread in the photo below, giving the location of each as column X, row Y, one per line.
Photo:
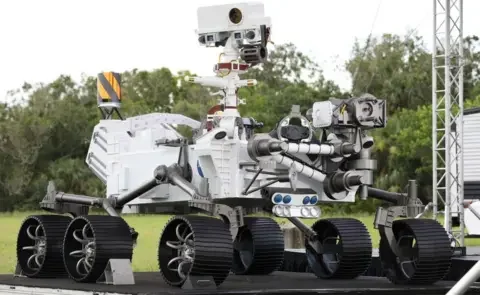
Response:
column 213, row 248
column 113, row 241
column 55, row 226
column 269, row 247
column 434, row 253
column 356, row 247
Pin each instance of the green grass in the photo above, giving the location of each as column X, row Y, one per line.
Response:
column 149, row 228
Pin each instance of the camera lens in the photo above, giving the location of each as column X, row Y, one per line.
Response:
column 250, row 35
column 235, row 16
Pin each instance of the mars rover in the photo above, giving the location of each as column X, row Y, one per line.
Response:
column 229, row 171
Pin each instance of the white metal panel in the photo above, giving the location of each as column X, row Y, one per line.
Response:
column 471, row 147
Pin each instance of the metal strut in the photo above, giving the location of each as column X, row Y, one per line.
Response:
column 466, row 281
column 61, row 202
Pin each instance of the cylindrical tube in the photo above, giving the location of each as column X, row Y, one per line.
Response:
column 75, row 199
column 133, row 194
column 181, row 182
column 363, row 192
column 300, row 168
column 344, row 181
column 466, row 281
column 305, row 148
column 307, row 231
column 384, row 195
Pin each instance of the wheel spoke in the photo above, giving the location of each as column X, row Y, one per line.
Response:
column 80, row 263
column 77, row 238
column 29, row 248
column 175, row 245
column 87, row 262
column 29, row 262
column 37, row 260
column 173, row 260
column 189, row 240
column 180, row 236
column 30, row 235
column 183, row 268
column 185, row 250
column 37, row 231
column 87, row 252
column 246, row 257
column 84, row 232
column 77, row 253
column 408, row 268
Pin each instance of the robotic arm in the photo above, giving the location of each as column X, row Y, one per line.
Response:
column 343, row 162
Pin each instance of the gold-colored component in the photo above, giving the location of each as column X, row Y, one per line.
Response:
column 108, row 87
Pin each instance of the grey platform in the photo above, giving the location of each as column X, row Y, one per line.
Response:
column 277, row 283
column 472, row 252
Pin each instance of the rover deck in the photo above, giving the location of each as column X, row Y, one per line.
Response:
column 277, row 283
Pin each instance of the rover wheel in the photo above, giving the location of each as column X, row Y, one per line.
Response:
column 425, row 252
column 347, row 249
column 195, row 246
column 258, row 247
column 39, row 245
column 91, row 241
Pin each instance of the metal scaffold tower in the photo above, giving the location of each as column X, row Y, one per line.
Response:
column 447, row 112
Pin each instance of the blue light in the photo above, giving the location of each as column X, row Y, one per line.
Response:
column 277, row 198
column 306, row 200
column 287, row 199
column 313, row 200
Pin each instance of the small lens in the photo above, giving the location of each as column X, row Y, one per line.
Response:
column 235, row 16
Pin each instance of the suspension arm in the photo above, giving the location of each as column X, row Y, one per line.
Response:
column 310, row 234
column 406, row 206
column 172, row 174
column 394, row 198
column 86, row 200
column 158, row 178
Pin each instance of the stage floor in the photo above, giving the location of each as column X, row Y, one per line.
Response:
column 276, row 283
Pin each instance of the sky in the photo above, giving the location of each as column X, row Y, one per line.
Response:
column 40, row 40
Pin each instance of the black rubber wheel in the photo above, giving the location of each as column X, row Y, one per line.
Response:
column 195, row 246
column 259, row 247
column 425, row 252
column 39, row 246
column 91, row 241
column 347, row 248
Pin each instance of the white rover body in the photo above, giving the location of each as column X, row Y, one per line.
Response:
column 229, row 171
column 121, row 151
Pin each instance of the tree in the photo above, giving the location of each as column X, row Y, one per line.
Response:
column 288, row 77
column 393, row 68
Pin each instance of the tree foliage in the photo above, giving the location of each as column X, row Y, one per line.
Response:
column 45, row 134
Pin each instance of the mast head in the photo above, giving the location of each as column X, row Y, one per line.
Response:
column 242, row 26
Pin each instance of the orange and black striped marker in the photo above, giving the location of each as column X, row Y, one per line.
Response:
column 108, row 87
